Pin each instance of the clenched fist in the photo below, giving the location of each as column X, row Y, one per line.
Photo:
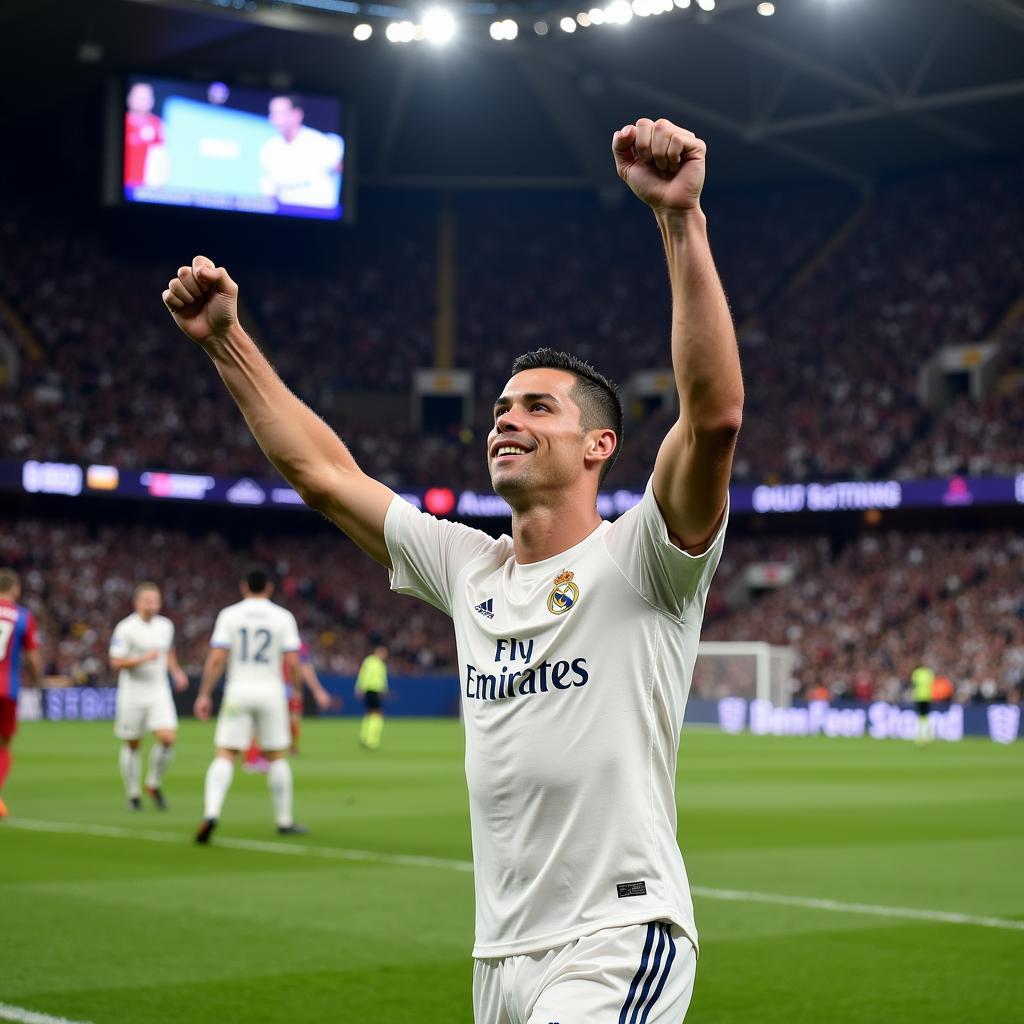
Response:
column 662, row 163
column 203, row 300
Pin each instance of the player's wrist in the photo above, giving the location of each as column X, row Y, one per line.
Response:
column 680, row 222
column 230, row 337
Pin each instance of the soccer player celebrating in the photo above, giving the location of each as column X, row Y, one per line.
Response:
column 576, row 637
column 254, row 640
column 17, row 637
column 142, row 652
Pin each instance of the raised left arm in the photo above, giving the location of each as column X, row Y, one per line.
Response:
column 664, row 166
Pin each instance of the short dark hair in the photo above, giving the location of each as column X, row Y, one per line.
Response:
column 257, row 578
column 596, row 395
column 8, row 581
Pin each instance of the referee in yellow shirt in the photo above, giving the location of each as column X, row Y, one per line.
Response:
column 922, row 679
column 371, row 685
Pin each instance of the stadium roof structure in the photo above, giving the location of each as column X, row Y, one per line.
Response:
column 847, row 90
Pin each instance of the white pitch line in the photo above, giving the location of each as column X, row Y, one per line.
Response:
column 23, row 1016
column 875, row 909
column 413, row 860
column 258, row 845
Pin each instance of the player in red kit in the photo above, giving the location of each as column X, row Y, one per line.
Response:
column 17, row 637
column 254, row 759
column 142, row 131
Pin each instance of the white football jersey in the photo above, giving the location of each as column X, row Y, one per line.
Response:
column 257, row 633
column 133, row 636
column 574, row 673
column 303, row 172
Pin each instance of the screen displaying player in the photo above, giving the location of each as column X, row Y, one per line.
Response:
column 251, row 150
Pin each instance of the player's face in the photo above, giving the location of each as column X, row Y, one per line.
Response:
column 538, row 418
column 147, row 604
column 140, row 98
column 283, row 116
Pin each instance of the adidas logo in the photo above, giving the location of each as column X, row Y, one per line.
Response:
column 486, row 608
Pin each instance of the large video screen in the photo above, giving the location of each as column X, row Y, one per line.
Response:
column 215, row 146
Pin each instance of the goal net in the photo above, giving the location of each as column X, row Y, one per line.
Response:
column 750, row 670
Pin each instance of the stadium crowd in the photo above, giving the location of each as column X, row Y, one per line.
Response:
column 830, row 358
column 79, row 578
column 859, row 618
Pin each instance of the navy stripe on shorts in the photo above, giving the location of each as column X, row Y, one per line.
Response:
column 636, row 1009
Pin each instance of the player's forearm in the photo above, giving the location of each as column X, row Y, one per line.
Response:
column 211, row 673
column 121, row 663
column 301, row 446
column 34, row 665
column 705, row 357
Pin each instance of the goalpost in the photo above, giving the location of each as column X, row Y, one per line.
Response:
column 744, row 669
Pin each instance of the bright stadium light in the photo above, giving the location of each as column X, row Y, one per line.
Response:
column 362, row 31
column 438, row 25
column 540, row 27
column 567, row 25
column 583, row 18
column 506, row 29
column 682, row 4
column 596, row 16
column 642, row 8
column 618, row 12
column 766, row 10
column 400, row 32
column 706, row 5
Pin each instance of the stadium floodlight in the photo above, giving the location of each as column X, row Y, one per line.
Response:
column 506, row 29
column 438, row 25
column 400, row 32
column 583, row 19
column 642, row 8
column 362, row 31
column 567, row 24
column 682, row 4
column 618, row 12
column 596, row 16
column 766, row 10
column 540, row 27
column 706, row 5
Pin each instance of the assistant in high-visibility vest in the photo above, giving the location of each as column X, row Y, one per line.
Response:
column 922, row 680
column 371, row 685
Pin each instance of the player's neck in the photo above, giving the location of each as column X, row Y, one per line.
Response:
column 544, row 531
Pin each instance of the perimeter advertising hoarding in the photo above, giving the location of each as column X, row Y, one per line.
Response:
column 72, row 480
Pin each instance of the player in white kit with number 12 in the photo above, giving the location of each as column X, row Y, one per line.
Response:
column 576, row 637
column 254, row 640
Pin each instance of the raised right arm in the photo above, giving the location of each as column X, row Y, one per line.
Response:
column 308, row 453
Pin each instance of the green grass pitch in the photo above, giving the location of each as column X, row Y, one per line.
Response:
column 347, row 925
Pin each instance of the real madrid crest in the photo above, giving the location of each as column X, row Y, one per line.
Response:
column 564, row 594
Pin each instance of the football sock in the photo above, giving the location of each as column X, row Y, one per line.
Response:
column 279, row 782
column 375, row 727
column 160, row 758
column 218, row 782
column 5, row 764
column 131, row 771
column 364, row 730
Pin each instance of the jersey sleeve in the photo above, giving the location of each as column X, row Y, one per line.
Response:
column 427, row 553
column 290, row 641
column 664, row 575
column 119, row 641
column 221, row 632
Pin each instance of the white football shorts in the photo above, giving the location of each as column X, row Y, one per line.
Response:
column 139, row 713
column 639, row 974
column 263, row 716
